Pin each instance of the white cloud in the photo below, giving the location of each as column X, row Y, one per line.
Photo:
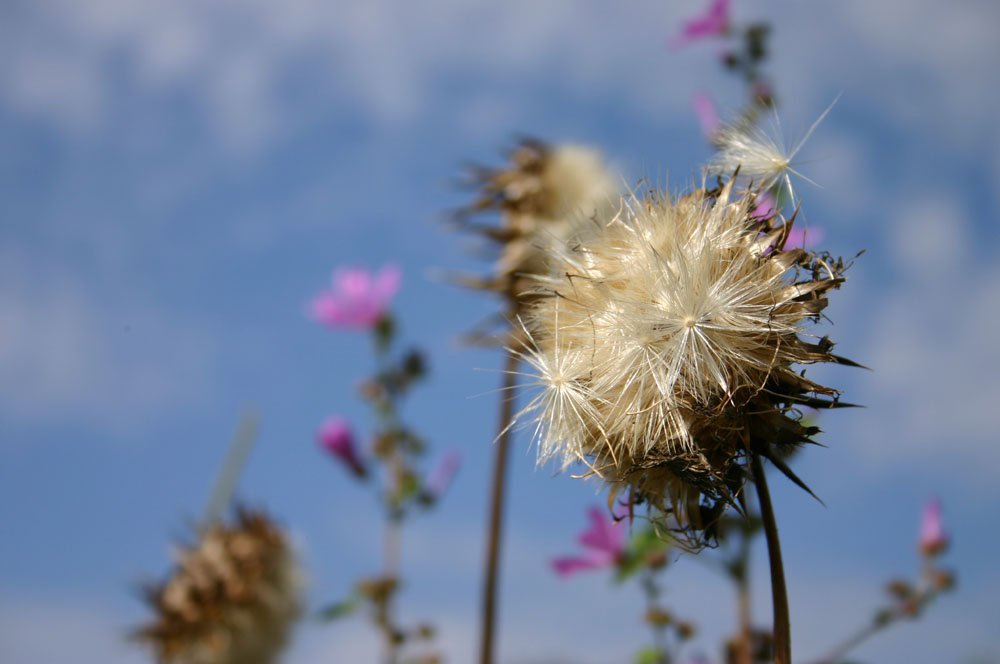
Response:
column 66, row 355
column 932, row 344
column 392, row 60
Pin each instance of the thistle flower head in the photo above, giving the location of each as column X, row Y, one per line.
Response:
column 664, row 347
column 545, row 196
column 232, row 598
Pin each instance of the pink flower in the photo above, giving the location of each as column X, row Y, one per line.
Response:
column 933, row 537
column 358, row 298
column 440, row 477
column 604, row 541
column 765, row 207
column 714, row 22
column 804, row 237
column 798, row 237
column 708, row 117
column 336, row 438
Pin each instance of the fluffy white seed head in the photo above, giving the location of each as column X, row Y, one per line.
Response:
column 758, row 156
column 662, row 348
column 671, row 309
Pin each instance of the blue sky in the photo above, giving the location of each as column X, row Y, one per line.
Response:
column 179, row 177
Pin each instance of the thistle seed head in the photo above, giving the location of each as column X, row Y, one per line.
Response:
column 545, row 196
column 232, row 598
column 664, row 348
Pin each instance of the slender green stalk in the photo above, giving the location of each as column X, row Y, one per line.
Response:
column 236, row 459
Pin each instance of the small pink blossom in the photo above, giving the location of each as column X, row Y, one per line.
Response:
column 933, row 537
column 441, row 475
column 713, row 23
column 336, row 438
column 604, row 541
column 765, row 207
column 358, row 298
column 708, row 117
column 804, row 238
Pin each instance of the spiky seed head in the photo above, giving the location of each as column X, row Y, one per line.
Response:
column 758, row 156
column 232, row 598
column 546, row 196
column 663, row 348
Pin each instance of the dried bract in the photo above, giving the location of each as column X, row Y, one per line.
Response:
column 232, row 598
column 545, row 196
column 664, row 348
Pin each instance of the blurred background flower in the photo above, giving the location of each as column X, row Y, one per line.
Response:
column 358, row 297
column 336, row 437
column 604, row 541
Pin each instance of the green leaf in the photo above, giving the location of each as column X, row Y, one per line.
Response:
column 338, row 610
column 649, row 655
column 643, row 544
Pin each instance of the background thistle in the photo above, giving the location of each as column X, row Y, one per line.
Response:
column 545, row 196
column 232, row 599
column 665, row 348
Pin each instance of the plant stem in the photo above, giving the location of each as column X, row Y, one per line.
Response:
column 744, row 654
column 496, row 511
column 779, row 594
column 659, row 630
column 853, row 642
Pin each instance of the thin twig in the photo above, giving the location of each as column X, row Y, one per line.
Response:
column 652, row 593
column 779, row 594
column 853, row 642
column 495, row 531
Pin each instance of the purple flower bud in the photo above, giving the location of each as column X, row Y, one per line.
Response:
column 441, row 475
column 708, row 117
column 933, row 537
column 336, row 438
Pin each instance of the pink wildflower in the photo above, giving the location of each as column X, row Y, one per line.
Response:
column 440, row 477
column 933, row 537
column 358, row 298
column 798, row 237
column 804, row 238
column 713, row 23
column 708, row 117
column 604, row 541
column 336, row 438
column 765, row 207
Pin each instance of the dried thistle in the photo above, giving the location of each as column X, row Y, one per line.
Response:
column 665, row 349
column 232, row 598
column 759, row 157
column 545, row 196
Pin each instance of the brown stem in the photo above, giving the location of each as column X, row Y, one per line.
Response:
column 496, row 511
column 779, row 595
